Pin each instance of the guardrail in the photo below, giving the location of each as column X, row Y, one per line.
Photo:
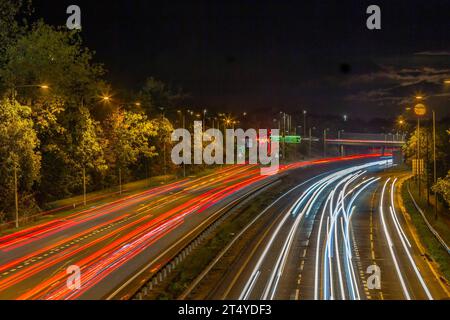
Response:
column 193, row 240
column 430, row 227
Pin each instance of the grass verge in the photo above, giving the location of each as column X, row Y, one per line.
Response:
column 95, row 199
column 434, row 248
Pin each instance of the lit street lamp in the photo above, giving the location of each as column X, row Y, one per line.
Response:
column 341, row 146
column 16, row 192
column 184, row 124
column 419, row 110
column 325, row 142
column 203, row 120
column 304, row 123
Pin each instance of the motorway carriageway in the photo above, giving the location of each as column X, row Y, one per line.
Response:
column 112, row 242
column 325, row 237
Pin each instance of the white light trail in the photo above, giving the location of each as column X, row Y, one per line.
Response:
column 390, row 244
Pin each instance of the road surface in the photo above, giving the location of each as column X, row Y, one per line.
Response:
column 339, row 235
column 112, row 243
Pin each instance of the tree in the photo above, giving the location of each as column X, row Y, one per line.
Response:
column 55, row 57
column 128, row 135
column 442, row 185
column 87, row 150
column 158, row 98
column 426, row 145
column 63, row 122
column 10, row 27
column 162, row 141
column 18, row 153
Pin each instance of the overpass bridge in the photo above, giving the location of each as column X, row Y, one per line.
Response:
column 368, row 139
column 349, row 142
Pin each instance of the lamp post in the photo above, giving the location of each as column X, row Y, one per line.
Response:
column 325, row 142
column 183, row 124
column 203, row 120
column 16, row 196
column 341, row 146
column 304, row 123
column 15, row 164
column 41, row 86
column 419, row 110
column 434, row 165
column 310, row 141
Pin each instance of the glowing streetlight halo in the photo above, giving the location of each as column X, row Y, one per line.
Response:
column 420, row 109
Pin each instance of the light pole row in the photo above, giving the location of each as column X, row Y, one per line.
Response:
column 420, row 111
column 15, row 164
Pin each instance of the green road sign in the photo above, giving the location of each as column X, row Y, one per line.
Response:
column 275, row 138
column 287, row 139
column 292, row 139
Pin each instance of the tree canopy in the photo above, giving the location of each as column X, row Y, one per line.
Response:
column 18, row 152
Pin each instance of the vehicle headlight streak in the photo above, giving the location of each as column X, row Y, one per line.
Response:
column 256, row 272
column 390, row 244
column 318, row 188
column 131, row 235
column 328, row 255
column 309, row 199
column 332, row 234
column 405, row 242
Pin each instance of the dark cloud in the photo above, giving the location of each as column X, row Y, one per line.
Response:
column 272, row 55
column 398, row 86
column 433, row 53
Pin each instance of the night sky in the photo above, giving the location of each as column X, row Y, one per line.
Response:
column 282, row 55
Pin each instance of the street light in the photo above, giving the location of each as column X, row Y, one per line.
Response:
column 184, row 124
column 16, row 192
column 401, row 124
column 40, row 86
column 419, row 110
column 304, row 123
column 341, row 146
column 203, row 119
column 325, row 141
column 447, row 81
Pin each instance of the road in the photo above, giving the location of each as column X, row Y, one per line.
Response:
column 113, row 242
column 339, row 235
